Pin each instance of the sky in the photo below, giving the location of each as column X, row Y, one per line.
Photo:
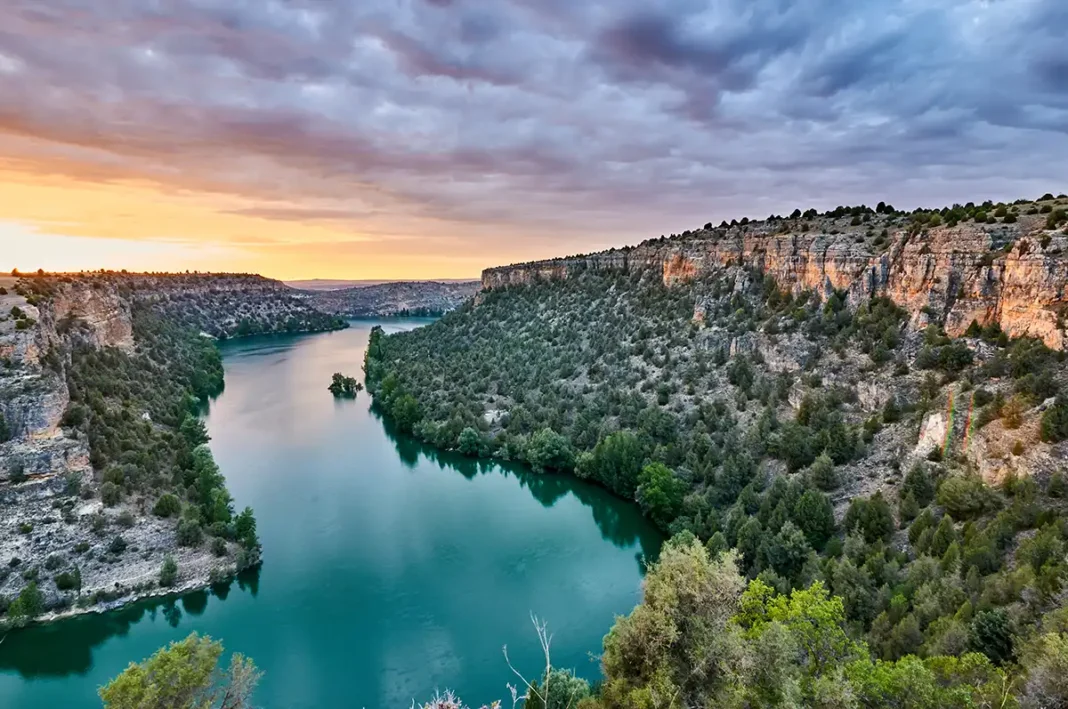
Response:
column 433, row 138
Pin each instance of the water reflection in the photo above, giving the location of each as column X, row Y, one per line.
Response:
column 66, row 647
column 620, row 524
column 381, row 581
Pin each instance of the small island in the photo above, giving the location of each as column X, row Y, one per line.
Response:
column 344, row 387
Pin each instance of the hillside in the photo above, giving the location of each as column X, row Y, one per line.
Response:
column 226, row 305
column 865, row 398
column 104, row 474
column 392, row 299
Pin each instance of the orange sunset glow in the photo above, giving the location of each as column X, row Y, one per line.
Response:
column 434, row 138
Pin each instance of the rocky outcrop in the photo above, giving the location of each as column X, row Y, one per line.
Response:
column 52, row 520
column 1014, row 275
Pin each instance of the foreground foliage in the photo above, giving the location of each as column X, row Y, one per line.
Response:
column 184, row 675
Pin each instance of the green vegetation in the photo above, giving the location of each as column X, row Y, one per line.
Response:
column 140, row 412
column 184, row 675
column 609, row 375
column 342, row 386
column 168, row 572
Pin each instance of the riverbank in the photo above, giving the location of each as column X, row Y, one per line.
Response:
column 104, row 472
column 433, row 561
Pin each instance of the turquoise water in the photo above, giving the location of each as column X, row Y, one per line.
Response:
column 390, row 570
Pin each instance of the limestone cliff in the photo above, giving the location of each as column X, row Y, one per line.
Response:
column 1013, row 274
column 52, row 517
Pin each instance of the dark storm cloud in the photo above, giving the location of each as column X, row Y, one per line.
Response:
column 613, row 118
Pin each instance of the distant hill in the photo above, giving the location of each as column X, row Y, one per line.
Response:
column 393, row 298
column 318, row 284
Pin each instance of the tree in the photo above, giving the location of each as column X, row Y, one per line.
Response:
column 814, row 515
column 660, row 493
column 565, row 691
column 918, row 482
column 470, row 442
column 615, row 462
column 29, row 603
column 189, row 533
column 1045, row 660
column 342, row 386
column 168, row 573
column 822, row 473
column 907, row 508
column 110, row 494
column 788, row 551
column 679, row 641
column 184, row 675
column 245, row 528
column 991, row 634
column 943, row 537
column 548, row 450
column 871, row 516
column 194, row 431
column 405, row 411
column 815, row 619
column 1054, row 426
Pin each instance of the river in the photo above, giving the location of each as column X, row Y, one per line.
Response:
column 391, row 570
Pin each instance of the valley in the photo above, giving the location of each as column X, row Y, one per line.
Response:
column 863, row 403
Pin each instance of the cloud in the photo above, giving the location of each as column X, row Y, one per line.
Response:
column 537, row 122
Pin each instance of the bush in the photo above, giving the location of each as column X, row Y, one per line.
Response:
column 872, row 517
column 168, row 573
column 117, row 545
column 1054, row 426
column 189, row 533
column 167, row 505
column 110, row 494
column 68, row 581
column 966, row 496
column 218, row 546
column 821, row 473
column 548, row 450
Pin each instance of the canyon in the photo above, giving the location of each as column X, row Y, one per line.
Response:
column 1011, row 274
column 54, row 519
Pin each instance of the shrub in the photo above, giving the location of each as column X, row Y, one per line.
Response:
column 821, row 473
column 117, row 545
column 189, row 533
column 872, row 517
column 218, row 546
column 68, row 580
column 25, row 527
column 110, row 494
column 168, row 572
column 167, row 505
column 966, row 497
column 1054, row 426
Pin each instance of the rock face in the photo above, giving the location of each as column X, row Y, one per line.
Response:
column 52, row 520
column 390, row 299
column 1014, row 275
